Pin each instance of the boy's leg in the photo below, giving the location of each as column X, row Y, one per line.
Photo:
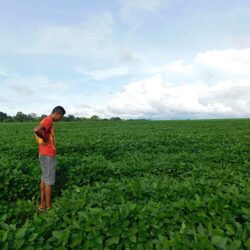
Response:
column 51, row 181
column 48, row 177
column 42, row 195
column 48, row 196
column 42, row 184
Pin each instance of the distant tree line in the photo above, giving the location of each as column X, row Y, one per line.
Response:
column 21, row 117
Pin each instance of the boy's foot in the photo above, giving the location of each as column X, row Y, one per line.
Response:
column 42, row 209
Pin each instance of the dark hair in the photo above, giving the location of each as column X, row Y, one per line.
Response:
column 59, row 109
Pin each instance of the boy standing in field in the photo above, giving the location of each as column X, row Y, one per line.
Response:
column 45, row 137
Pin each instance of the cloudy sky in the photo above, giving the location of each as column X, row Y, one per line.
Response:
column 155, row 59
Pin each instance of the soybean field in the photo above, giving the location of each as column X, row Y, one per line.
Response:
column 129, row 185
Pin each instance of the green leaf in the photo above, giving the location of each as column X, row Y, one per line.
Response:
column 197, row 197
column 3, row 218
column 12, row 227
column 33, row 237
column 83, row 215
column 219, row 241
column 76, row 224
column 19, row 243
column 201, row 230
column 67, row 219
column 5, row 236
column 112, row 241
column 121, row 199
column 99, row 240
column 236, row 244
column 4, row 225
column 21, row 232
column 247, row 243
column 77, row 239
column 95, row 210
column 230, row 230
column 183, row 227
column 140, row 247
column 133, row 238
column 58, row 234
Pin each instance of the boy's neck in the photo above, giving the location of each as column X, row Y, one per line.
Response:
column 52, row 116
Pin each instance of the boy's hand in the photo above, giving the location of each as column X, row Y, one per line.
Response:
column 39, row 132
column 45, row 143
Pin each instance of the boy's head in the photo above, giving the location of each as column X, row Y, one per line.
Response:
column 58, row 113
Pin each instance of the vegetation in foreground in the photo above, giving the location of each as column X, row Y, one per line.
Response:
column 130, row 185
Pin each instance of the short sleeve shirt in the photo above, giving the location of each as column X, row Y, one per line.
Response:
column 49, row 134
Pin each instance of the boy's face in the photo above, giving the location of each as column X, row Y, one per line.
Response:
column 57, row 117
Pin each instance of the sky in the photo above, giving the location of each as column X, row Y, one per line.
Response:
column 135, row 59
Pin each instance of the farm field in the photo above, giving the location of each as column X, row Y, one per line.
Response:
column 129, row 185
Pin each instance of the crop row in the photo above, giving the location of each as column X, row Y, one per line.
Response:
column 142, row 213
column 130, row 185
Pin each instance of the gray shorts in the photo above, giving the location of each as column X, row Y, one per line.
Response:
column 48, row 166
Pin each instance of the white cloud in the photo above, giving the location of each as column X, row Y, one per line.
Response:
column 3, row 100
column 3, row 73
column 241, row 42
column 32, row 94
column 132, row 10
column 90, row 37
column 21, row 86
column 176, row 68
column 104, row 73
column 87, row 110
column 174, row 90
column 224, row 94
column 126, row 55
column 227, row 63
column 60, row 86
column 129, row 64
column 155, row 98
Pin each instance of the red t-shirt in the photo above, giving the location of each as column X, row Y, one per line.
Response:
column 49, row 134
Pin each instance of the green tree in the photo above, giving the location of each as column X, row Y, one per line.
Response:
column 3, row 116
column 69, row 118
column 94, row 118
column 32, row 116
column 115, row 119
column 21, row 117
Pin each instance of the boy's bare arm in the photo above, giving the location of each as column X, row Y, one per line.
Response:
column 39, row 132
